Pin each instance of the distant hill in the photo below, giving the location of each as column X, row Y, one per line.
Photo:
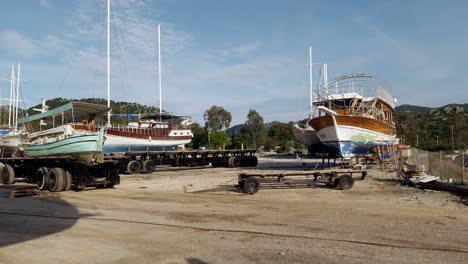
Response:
column 407, row 108
column 234, row 130
column 412, row 109
column 237, row 128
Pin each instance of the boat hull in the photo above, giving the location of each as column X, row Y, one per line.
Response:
column 115, row 143
column 10, row 144
column 351, row 136
column 86, row 148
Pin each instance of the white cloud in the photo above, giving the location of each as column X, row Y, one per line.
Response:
column 17, row 43
column 45, row 3
column 193, row 80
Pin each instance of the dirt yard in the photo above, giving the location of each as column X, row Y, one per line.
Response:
column 198, row 216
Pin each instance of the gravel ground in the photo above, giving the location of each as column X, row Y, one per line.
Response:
column 198, row 216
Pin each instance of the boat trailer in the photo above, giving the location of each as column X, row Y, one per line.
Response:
column 147, row 161
column 342, row 179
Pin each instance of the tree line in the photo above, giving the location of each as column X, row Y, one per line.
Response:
column 253, row 134
column 432, row 129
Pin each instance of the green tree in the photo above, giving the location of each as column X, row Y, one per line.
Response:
column 218, row 139
column 217, row 118
column 200, row 136
column 254, row 129
column 282, row 135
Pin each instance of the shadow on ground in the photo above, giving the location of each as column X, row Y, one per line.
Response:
column 269, row 185
column 24, row 217
column 195, row 261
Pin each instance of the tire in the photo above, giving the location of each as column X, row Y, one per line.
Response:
column 42, row 178
column 149, row 166
column 56, row 179
column 67, row 184
column 345, row 182
column 8, row 174
column 233, row 162
column 251, row 185
column 134, row 167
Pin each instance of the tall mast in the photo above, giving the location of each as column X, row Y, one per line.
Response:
column 108, row 60
column 310, row 82
column 12, row 85
column 17, row 96
column 159, row 72
column 325, row 78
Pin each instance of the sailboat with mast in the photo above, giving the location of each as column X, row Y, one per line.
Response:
column 145, row 135
column 307, row 135
column 12, row 138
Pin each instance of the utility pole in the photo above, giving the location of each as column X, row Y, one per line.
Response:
column 417, row 140
column 453, row 144
column 108, row 62
column 311, row 103
column 463, row 165
column 159, row 73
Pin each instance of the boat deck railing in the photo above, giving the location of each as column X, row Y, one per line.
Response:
column 366, row 87
column 132, row 130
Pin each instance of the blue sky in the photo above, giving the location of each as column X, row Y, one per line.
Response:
column 237, row 54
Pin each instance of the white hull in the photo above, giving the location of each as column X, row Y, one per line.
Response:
column 115, row 143
column 349, row 140
column 10, row 143
column 353, row 134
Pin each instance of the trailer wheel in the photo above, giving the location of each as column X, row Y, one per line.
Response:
column 149, row 166
column 251, row 185
column 8, row 174
column 56, row 179
column 134, row 167
column 42, row 178
column 233, row 162
column 67, row 181
column 345, row 182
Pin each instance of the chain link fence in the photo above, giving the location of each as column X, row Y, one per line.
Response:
column 449, row 166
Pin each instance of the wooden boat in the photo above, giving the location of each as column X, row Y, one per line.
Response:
column 355, row 114
column 141, row 136
column 66, row 139
column 146, row 136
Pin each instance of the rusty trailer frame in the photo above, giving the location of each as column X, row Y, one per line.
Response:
column 340, row 178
